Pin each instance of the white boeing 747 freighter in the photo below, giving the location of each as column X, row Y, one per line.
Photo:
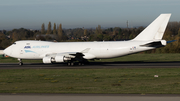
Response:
column 58, row 52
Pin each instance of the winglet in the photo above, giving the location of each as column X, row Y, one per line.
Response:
column 155, row 30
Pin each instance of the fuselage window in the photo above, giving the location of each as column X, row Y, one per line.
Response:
column 27, row 43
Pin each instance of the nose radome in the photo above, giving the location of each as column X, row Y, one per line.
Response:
column 7, row 51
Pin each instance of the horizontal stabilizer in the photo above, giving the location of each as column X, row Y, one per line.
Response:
column 155, row 44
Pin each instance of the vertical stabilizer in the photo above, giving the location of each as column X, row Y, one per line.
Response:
column 155, row 30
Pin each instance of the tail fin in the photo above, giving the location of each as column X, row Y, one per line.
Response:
column 155, row 30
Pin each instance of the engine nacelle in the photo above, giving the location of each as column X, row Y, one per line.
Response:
column 59, row 58
column 47, row 60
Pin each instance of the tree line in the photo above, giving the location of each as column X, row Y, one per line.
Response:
column 98, row 34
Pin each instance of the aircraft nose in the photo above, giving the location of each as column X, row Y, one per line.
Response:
column 7, row 51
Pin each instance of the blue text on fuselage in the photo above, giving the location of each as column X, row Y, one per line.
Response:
column 45, row 46
column 27, row 47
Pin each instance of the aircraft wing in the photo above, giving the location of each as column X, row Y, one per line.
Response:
column 68, row 56
column 75, row 54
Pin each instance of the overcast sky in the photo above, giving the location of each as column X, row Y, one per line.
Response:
column 84, row 13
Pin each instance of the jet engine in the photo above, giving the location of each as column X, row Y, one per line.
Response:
column 57, row 58
column 47, row 59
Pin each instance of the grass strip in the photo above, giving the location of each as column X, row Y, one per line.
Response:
column 121, row 81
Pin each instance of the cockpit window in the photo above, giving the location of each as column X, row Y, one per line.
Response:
column 14, row 43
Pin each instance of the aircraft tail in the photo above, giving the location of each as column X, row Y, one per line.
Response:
column 155, row 30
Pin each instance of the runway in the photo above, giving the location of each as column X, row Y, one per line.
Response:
column 92, row 65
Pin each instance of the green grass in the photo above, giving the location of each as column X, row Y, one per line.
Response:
column 133, row 57
column 146, row 58
column 123, row 81
column 14, row 60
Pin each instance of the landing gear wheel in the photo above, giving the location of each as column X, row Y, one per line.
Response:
column 80, row 64
column 20, row 62
column 70, row 63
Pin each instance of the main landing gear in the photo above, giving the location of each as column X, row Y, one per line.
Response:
column 20, row 62
column 70, row 63
column 80, row 63
column 75, row 63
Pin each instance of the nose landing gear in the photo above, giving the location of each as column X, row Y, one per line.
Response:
column 20, row 62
